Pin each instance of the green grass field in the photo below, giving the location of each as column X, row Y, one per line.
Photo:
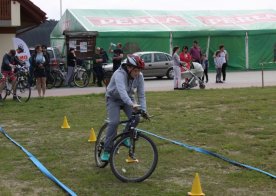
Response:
column 236, row 123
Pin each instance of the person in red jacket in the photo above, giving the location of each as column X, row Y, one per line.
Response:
column 185, row 56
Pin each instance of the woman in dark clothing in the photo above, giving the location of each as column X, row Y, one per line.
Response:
column 39, row 62
column 71, row 63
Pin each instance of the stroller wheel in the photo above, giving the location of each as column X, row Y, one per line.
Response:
column 185, row 85
column 202, row 86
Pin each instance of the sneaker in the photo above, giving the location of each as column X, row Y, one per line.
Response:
column 127, row 142
column 14, row 98
column 105, row 156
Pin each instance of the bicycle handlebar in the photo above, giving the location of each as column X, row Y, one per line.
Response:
column 142, row 113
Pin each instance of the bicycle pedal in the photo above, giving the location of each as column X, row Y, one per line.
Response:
column 132, row 160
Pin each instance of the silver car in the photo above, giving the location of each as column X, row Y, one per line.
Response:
column 157, row 64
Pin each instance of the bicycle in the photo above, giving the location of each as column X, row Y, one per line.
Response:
column 59, row 75
column 133, row 163
column 82, row 74
column 23, row 89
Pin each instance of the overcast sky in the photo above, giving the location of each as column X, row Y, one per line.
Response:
column 52, row 7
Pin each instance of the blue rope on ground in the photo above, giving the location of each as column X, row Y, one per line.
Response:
column 40, row 166
column 203, row 151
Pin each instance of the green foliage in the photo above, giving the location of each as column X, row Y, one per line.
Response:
column 236, row 123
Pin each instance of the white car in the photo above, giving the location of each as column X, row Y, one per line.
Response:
column 157, row 64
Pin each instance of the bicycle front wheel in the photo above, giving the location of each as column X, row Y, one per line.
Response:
column 140, row 166
column 99, row 147
column 5, row 93
column 23, row 91
column 81, row 78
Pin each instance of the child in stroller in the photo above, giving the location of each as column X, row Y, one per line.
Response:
column 193, row 75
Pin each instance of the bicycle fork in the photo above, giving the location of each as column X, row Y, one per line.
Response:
column 131, row 154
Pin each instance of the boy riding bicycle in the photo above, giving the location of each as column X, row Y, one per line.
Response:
column 120, row 95
column 7, row 70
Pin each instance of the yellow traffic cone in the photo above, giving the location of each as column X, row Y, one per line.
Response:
column 196, row 187
column 92, row 137
column 65, row 124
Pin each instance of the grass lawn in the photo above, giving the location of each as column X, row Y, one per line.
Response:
column 236, row 123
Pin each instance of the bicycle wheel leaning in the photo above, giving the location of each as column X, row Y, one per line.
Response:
column 58, row 77
column 138, row 169
column 99, row 147
column 50, row 81
column 81, row 78
column 23, row 91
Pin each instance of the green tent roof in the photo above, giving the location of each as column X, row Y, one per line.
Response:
column 149, row 21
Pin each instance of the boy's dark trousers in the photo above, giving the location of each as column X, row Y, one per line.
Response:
column 223, row 71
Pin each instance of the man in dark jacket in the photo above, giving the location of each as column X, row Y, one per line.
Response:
column 71, row 63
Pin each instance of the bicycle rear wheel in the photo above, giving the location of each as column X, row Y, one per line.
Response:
column 23, row 91
column 146, row 157
column 81, row 78
column 99, row 147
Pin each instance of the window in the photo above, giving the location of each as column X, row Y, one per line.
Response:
column 158, row 57
column 146, row 58
column 169, row 57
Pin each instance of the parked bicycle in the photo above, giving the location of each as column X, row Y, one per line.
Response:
column 133, row 163
column 59, row 75
column 83, row 74
column 23, row 90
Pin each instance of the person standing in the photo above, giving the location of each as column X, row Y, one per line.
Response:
column 97, row 66
column 104, row 55
column 71, row 63
column 205, row 66
column 218, row 64
column 177, row 70
column 47, row 55
column 185, row 57
column 39, row 62
column 224, row 56
column 118, row 55
column 195, row 52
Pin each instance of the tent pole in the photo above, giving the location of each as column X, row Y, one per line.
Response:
column 208, row 47
column 246, row 51
column 171, row 42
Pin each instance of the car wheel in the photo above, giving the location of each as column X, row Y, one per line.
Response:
column 170, row 73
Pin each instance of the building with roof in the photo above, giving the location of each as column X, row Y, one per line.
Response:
column 17, row 16
column 248, row 36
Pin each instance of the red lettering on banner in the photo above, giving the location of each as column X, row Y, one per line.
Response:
column 136, row 21
column 237, row 20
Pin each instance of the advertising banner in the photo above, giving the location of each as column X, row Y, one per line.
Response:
column 22, row 50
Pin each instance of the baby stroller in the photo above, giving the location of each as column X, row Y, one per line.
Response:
column 193, row 75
